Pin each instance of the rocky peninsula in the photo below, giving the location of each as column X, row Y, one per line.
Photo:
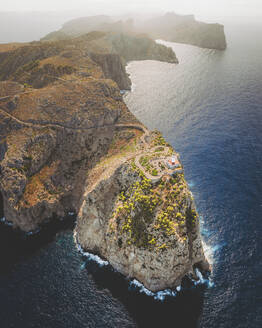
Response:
column 186, row 29
column 139, row 214
column 69, row 144
column 169, row 27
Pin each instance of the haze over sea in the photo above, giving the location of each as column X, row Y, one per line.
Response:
column 209, row 107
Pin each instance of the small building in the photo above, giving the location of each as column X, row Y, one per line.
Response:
column 173, row 162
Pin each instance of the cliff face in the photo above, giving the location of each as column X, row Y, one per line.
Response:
column 111, row 51
column 185, row 29
column 145, row 226
column 199, row 34
column 49, row 138
column 113, row 68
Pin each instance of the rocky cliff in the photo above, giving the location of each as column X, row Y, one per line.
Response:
column 112, row 50
column 68, row 144
column 113, row 68
column 185, row 29
column 49, row 138
column 146, row 227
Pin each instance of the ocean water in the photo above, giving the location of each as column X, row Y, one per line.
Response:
column 209, row 107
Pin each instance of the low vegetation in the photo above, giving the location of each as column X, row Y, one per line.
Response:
column 153, row 216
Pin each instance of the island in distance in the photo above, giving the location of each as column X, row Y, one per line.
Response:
column 170, row 27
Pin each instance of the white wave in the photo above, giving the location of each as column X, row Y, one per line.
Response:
column 34, row 232
column 8, row 223
column 208, row 251
column 203, row 281
column 160, row 296
column 205, row 232
column 201, row 219
column 91, row 256
column 218, row 247
column 96, row 258
column 178, row 288
column 141, row 287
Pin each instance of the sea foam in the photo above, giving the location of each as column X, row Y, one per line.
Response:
column 8, row 223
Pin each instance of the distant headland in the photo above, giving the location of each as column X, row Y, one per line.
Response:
column 169, row 27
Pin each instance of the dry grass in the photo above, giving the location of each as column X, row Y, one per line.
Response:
column 11, row 46
column 118, row 153
column 35, row 190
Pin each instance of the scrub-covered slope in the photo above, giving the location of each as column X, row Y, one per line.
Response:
column 59, row 107
column 140, row 215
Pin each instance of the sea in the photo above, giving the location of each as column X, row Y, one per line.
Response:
column 209, row 108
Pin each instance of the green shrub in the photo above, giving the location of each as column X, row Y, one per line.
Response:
column 154, row 172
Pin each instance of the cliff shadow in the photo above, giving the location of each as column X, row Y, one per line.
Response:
column 15, row 245
column 180, row 311
column 1, row 206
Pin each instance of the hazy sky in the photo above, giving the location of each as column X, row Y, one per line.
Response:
column 198, row 7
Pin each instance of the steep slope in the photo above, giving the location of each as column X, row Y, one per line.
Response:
column 145, row 225
column 185, row 29
column 49, row 138
column 96, row 54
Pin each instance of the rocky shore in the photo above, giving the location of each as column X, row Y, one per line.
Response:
column 146, row 229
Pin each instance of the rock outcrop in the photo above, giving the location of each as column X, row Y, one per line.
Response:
column 140, row 47
column 113, row 68
column 185, row 29
column 146, row 230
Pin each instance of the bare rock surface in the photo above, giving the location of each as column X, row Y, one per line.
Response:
column 148, row 231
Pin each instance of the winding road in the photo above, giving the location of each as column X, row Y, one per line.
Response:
column 61, row 126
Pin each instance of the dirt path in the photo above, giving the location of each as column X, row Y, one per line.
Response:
column 61, row 126
column 49, row 125
column 18, row 94
column 114, row 166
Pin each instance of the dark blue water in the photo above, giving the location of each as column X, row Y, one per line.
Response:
column 209, row 107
